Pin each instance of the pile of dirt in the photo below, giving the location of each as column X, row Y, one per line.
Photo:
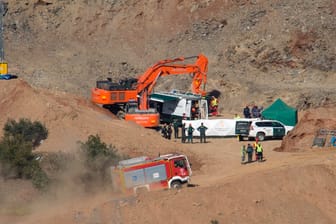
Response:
column 312, row 121
column 70, row 119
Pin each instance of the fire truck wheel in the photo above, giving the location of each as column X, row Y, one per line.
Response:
column 176, row 184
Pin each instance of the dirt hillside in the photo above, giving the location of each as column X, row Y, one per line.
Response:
column 258, row 51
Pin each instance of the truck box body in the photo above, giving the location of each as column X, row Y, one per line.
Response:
column 178, row 105
column 166, row 171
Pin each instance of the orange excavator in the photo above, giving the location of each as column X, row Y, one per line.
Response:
column 129, row 98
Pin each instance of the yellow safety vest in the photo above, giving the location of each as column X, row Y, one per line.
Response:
column 214, row 102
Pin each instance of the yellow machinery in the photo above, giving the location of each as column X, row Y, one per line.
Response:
column 3, row 68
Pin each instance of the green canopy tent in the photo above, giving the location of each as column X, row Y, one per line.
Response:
column 280, row 111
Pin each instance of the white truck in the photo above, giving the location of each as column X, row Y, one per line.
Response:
column 178, row 105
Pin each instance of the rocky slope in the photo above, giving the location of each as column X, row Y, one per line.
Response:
column 258, row 50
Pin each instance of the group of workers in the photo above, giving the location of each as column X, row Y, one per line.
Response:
column 187, row 132
column 255, row 112
column 256, row 149
column 167, row 129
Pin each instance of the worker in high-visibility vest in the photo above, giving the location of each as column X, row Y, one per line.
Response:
column 214, row 106
column 236, row 116
column 260, row 152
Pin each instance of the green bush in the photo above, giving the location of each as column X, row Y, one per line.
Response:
column 33, row 132
column 98, row 157
column 17, row 159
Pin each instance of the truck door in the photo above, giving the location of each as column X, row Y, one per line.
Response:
column 278, row 130
column 180, row 167
column 242, row 128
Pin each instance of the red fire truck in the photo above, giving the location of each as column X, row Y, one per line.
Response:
column 143, row 173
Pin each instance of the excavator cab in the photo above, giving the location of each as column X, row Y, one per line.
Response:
column 108, row 93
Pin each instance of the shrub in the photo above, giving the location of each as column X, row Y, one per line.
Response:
column 98, row 157
column 33, row 132
column 16, row 151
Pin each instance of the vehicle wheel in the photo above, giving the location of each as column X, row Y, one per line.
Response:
column 176, row 184
column 121, row 115
column 261, row 136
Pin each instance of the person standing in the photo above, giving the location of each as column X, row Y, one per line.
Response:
column 176, row 128
column 190, row 131
column 183, row 135
column 249, row 151
column 214, row 106
column 255, row 144
column 247, row 112
column 164, row 130
column 169, row 131
column 255, row 112
column 236, row 116
column 202, row 129
column 260, row 152
column 243, row 154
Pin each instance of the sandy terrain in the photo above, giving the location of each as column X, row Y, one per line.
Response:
column 258, row 51
column 289, row 187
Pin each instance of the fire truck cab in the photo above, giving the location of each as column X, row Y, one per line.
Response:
column 143, row 173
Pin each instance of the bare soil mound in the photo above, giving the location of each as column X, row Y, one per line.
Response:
column 302, row 136
column 70, row 119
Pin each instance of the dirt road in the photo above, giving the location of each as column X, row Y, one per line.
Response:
column 286, row 188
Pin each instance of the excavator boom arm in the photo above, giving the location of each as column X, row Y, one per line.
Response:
column 147, row 81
